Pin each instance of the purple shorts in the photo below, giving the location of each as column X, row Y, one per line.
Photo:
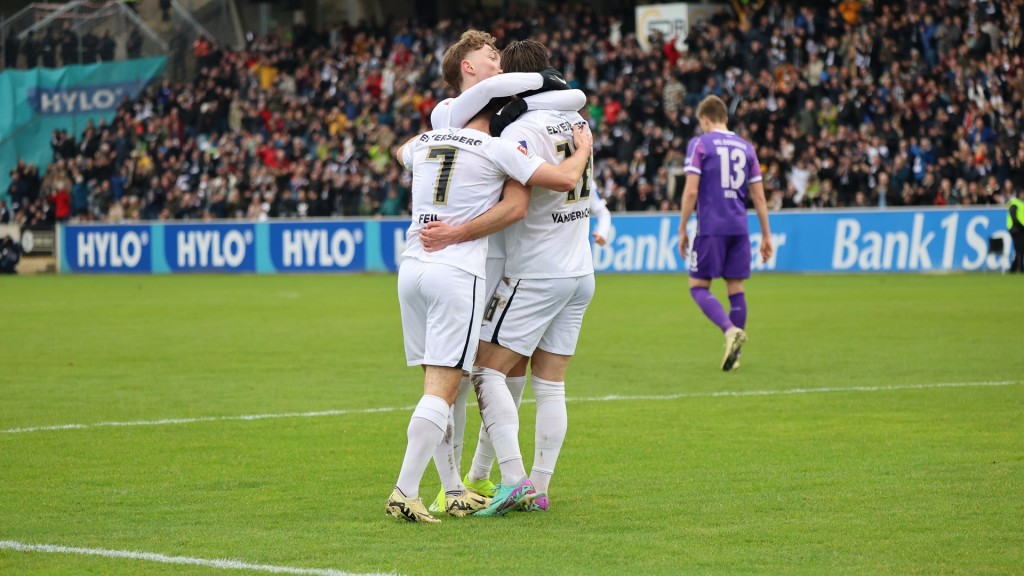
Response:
column 720, row 257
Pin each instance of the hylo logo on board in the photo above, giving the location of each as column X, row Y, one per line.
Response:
column 81, row 100
column 319, row 247
column 110, row 249
column 211, row 248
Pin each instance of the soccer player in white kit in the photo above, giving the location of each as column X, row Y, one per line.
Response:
column 538, row 307
column 471, row 66
column 484, row 456
column 457, row 176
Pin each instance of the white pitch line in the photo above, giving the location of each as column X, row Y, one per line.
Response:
column 611, row 398
column 205, row 419
column 151, row 557
column 737, row 393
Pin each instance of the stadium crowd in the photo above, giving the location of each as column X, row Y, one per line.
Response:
column 850, row 103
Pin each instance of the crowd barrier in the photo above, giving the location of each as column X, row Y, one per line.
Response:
column 895, row 240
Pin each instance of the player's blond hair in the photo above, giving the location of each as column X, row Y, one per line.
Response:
column 451, row 64
column 714, row 109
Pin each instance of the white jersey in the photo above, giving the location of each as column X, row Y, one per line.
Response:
column 598, row 209
column 553, row 241
column 458, row 175
column 455, row 112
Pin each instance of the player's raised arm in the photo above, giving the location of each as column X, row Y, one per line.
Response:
column 566, row 175
column 515, row 199
column 563, row 100
column 468, row 104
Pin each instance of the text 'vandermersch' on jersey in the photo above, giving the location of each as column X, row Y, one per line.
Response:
column 457, row 175
column 553, row 241
column 727, row 165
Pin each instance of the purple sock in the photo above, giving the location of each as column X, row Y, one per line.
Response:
column 711, row 307
column 738, row 310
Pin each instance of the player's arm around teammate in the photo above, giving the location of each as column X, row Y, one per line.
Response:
column 476, row 97
column 563, row 177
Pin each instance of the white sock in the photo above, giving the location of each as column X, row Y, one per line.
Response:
column 426, row 430
column 444, row 458
column 484, row 456
column 516, row 385
column 552, row 422
column 459, row 431
column 498, row 411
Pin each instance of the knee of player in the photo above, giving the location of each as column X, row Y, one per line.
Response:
column 546, row 389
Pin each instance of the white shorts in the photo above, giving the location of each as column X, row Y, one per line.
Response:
column 495, row 271
column 524, row 315
column 441, row 311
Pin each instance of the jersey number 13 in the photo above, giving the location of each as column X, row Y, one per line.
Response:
column 733, row 161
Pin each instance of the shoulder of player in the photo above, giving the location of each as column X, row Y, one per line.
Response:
column 563, row 115
column 751, row 149
column 509, row 143
column 505, row 141
column 544, row 115
column 541, row 122
column 573, row 117
column 529, row 117
column 440, row 116
column 524, row 125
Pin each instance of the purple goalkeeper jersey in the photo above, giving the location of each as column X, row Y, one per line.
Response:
column 727, row 165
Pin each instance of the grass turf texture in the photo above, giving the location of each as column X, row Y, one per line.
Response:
column 920, row 481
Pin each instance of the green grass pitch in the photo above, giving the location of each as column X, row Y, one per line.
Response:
column 892, row 475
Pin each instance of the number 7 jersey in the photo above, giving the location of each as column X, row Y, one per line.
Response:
column 727, row 165
column 553, row 241
column 457, row 175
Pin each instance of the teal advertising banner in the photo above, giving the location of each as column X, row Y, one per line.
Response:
column 36, row 102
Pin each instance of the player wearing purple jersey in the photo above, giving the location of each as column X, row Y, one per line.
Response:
column 721, row 172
